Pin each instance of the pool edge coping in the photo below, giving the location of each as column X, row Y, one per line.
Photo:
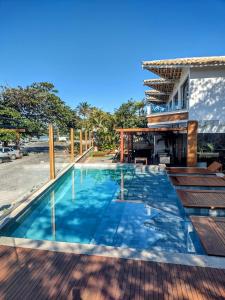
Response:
column 117, row 252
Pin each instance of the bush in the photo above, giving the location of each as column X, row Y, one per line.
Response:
column 7, row 135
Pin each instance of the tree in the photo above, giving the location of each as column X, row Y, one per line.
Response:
column 131, row 114
column 7, row 136
column 84, row 110
column 39, row 105
column 102, row 123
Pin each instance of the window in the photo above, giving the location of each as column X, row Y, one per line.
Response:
column 175, row 100
column 170, row 105
column 184, row 94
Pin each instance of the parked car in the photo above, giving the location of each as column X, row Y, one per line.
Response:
column 62, row 139
column 4, row 156
column 12, row 152
column 16, row 151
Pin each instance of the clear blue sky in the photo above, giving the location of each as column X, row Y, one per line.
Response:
column 92, row 49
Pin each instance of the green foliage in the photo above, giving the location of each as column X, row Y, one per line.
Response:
column 7, row 135
column 102, row 123
column 131, row 114
column 37, row 106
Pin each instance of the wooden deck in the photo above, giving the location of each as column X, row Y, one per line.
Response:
column 211, row 231
column 202, row 198
column 189, row 171
column 197, row 181
column 36, row 274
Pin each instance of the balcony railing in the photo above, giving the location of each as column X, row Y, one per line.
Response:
column 162, row 108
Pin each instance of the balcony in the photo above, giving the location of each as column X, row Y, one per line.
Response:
column 162, row 113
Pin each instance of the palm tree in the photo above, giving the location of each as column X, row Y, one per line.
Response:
column 84, row 109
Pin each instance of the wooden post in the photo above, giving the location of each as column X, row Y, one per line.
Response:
column 86, row 141
column 81, row 143
column 17, row 138
column 192, row 133
column 71, row 144
column 92, row 139
column 130, row 146
column 121, row 146
column 89, row 139
column 51, row 152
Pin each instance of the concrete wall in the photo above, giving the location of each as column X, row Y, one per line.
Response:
column 207, row 95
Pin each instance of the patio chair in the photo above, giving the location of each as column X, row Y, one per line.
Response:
column 211, row 169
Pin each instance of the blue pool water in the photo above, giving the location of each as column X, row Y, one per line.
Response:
column 122, row 207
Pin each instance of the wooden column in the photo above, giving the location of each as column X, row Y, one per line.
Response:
column 51, row 152
column 71, row 144
column 86, row 141
column 192, row 133
column 121, row 146
column 81, row 143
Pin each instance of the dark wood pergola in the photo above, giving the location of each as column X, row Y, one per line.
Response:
column 191, row 130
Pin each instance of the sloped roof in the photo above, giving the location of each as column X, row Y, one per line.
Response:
column 157, row 94
column 191, row 61
column 172, row 68
column 160, row 84
column 154, row 99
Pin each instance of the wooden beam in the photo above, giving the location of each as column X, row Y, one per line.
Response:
column 71, row 144
column 192, row 133
column 15, row 129
column 51, row 152
column 121, row 146
column 81, row 143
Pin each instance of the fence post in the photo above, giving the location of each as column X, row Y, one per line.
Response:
column 51, row 152
column 89, row 142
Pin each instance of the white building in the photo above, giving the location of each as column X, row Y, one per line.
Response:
column 187, row 89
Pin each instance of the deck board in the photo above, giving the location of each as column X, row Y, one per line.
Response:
column 197, row 181
column 189, row 171
column 202, row 198
column 39, row 274
column 211, row 231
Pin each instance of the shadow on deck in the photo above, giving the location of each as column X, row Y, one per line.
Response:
column 40, row 274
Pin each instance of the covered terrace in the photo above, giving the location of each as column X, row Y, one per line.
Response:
column 189, row 131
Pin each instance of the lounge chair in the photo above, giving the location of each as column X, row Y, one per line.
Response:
column 198, row 181
column 202, row 198
column 212, row 168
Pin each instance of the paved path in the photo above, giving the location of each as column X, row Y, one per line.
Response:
column 21, row 177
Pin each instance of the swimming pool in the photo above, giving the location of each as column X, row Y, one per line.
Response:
column 131, row 206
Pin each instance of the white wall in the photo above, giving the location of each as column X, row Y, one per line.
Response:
column 207, row 94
